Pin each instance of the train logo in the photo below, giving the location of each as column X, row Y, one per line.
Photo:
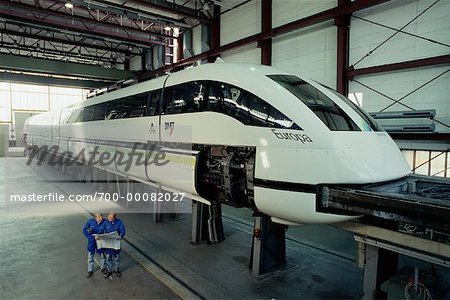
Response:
column 152, row 129
column 169, row 126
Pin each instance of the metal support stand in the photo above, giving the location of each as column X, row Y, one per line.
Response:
column 379, row 249
column 380, row 264
column 109, row 184
column 56, row 164
column 95, row 177
column 168, row 209
column 65, row 166
column 122, row 185
column 215, row 225
column 157, row 211
column 207, row 223
column 129, row 190
column 85, row 173
column 268, row 246
column 199, row 226
column 75, row 171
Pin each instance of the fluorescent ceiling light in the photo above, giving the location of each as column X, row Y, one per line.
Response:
column 68, row 5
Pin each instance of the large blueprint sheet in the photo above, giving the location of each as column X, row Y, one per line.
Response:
column 108, row 240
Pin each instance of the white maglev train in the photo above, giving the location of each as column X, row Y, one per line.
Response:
column 245, row 135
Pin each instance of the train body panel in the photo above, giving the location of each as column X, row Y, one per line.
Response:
column 352, row 160
column 243, row 135
column 279, row 203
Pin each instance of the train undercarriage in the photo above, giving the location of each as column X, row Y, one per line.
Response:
column 225, row 174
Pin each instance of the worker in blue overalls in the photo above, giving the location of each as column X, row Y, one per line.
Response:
column 94, row 226
column 113, row 224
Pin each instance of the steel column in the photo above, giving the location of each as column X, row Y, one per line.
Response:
column 180, row 48
column 266, row 25
column 215, row 33
column 343, row 40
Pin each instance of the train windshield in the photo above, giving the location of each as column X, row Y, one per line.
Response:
column 333, row 116
column 365, row 116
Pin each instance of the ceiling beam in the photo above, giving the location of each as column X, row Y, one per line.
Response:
column 62, row 21
column 61, row 55
column 416, row 63
column 53, row 81
column 53, row 67
column 343, row 49
column 320, row 17
column 326, row 15
column 157, row 18
column 64, row 41
column 173, row 9
column 89, row 16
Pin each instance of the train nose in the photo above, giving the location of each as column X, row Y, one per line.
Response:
column 346, row 160
column 286, row 178
column 293, row 208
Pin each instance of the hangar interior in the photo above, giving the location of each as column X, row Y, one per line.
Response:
column 390, row 58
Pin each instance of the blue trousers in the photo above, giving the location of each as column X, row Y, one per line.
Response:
column 113, row 262
column 90, row 261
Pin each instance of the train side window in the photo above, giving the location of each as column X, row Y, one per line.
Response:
column 79, row 117
column 71, row 117
column 87, row 113
column 245, row 107
column 279, row 120
column 153, row 103
column 67, row 114
column 114, row 110
column 228, row 100
column 237, row 105
column 134, row 105
column 215, row 96
column 186, row 97
column 75, row 116
column 364, row 115
column 99, row 112
column 259, row 110
column 333, row 116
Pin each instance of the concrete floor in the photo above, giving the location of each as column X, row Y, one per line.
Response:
column 43, row 252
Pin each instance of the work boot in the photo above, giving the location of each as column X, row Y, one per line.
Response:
column 89, row 274
column 118, row 273
column 108, row 274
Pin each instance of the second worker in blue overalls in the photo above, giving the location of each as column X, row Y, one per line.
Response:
column 113, row 224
